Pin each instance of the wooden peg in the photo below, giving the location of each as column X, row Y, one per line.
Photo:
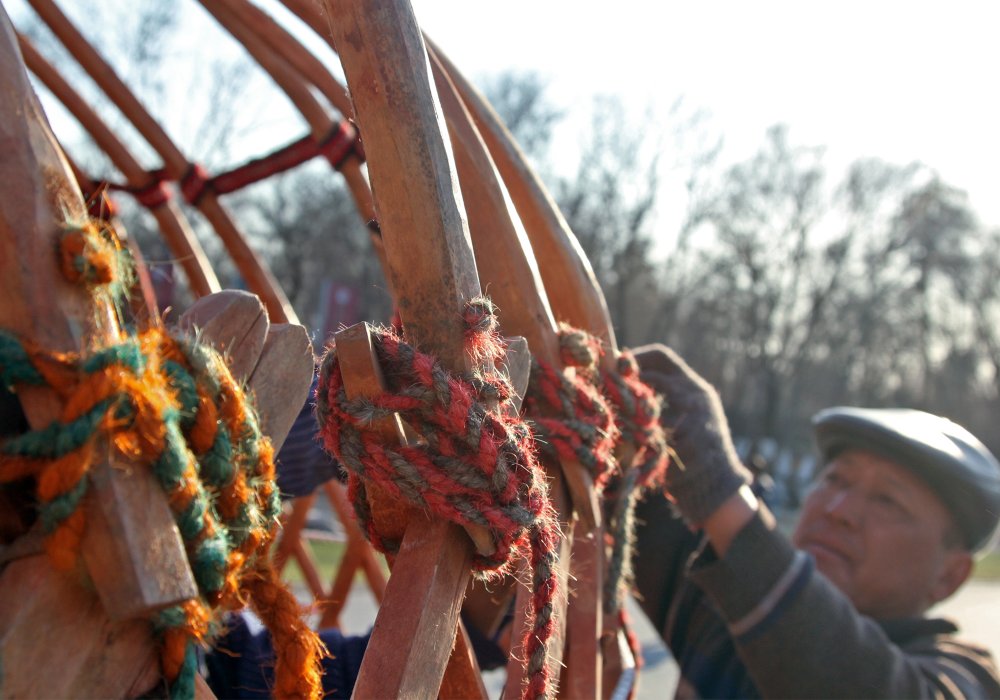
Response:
column 280, row 382
column 363, row 377
column 517, row 367
column 235, row 323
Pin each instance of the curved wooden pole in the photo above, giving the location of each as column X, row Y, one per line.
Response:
column 254, row 271
column 312, row 69
column 284, row 59
column 432, row 267
column 298, row 56
column 506, row 262
column 172, row 222
column 286, row 77
column 577, row 299
column 574, row 293
column 516, row 318
column 507, row 270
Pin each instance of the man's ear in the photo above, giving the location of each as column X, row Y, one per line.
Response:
column 955, row 570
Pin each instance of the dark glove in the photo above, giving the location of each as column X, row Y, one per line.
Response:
column 708, row 471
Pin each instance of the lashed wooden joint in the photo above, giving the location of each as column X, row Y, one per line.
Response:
column 363, row 378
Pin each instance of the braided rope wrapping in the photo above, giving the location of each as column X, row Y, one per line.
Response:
column 637, row 410
column 170, row 403
column 477, row 466
column 572, row 418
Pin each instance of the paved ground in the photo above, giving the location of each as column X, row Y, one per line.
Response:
column 976, row 609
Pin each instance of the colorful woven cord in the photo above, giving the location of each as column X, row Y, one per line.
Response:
column 477, row 466
column 590, row 418
column 637, row 411
column 572, row 417
column 170, row 403
column 91, row 255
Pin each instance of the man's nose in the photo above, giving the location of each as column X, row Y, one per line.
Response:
column 845, row 506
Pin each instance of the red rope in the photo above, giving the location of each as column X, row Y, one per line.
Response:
column 637, row 407
column 153, row 195
column 572, row 416
column 195, row 183
column 341, row 143
column 637, row 410
column 258, row 169
column 477, row 466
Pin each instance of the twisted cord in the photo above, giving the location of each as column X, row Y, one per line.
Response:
column 173, row 404
column 477, row 466
column 572, row 417
column 637, row 411
column 637, row 408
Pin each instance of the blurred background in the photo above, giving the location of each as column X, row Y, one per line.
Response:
column 799, row 197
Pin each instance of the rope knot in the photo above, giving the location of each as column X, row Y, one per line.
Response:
column 579, row 348
column 638, row 408
column 571, row 415
column 474, row 465
column 89, row 255
column 153, row 194
column 146, row 396
column 195, row 183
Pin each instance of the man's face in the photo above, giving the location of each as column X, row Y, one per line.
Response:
column 880, row 535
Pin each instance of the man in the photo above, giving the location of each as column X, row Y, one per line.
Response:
column 904, row 501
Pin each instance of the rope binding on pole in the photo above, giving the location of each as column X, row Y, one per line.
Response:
column 171, row 403
column 475, row 463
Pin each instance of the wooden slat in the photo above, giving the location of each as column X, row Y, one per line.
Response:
column 432, row 268
column 569, row 278
column 506, row 261
column 174, row 226
column 37, row 195
column 285, row 347
column 508, row 267
column 256, row 273
column 581, row 678
column 577, row 299
column 235, row 323
column 295, row 71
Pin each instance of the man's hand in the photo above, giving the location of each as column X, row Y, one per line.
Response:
column 708, row 474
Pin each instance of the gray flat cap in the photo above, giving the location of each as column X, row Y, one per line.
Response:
column 958, row 467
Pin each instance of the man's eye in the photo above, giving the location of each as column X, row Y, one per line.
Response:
column 833, row 479
column 887, row 501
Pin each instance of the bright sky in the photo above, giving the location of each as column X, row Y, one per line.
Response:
column 902, row 81
column 898, row 80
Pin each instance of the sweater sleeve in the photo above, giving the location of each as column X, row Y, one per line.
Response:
column 798, row 636
column 663, row 545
